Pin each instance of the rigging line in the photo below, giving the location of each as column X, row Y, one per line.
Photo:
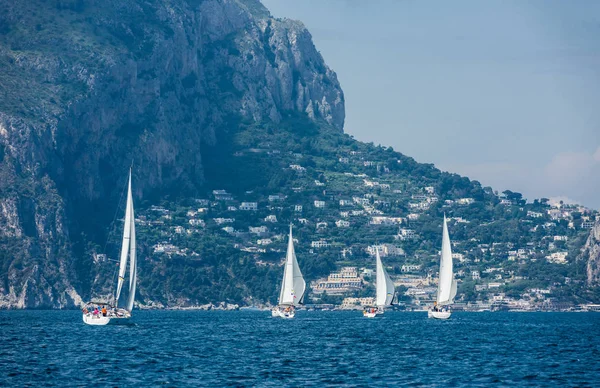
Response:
column 110, row 232
column 116, row 213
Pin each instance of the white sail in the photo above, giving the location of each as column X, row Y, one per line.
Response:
column 453, row 290
column 384, row 285
column 293, row 285
column 447, row 284
column 132, row 262
column 126, row 240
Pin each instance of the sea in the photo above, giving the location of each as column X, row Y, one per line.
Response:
column 317, row 348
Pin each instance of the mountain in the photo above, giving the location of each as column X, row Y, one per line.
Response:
column 89, row 87
column 203, row 95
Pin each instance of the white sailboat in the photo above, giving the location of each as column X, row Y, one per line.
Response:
column 447, row 284
column 293, row 285
column 105, row 313
column 384, row 287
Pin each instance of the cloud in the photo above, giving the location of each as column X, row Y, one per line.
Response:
column 566, row 200
column 597, row 155
column 572, row 168
column 573, row 177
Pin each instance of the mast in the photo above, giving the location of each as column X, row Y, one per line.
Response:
column 132, row 263
column 446, row 284
column 126, row 241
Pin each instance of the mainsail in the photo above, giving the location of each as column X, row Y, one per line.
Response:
column 385, row 286
column 128, row 246
column 293, row 286
column 447, row 283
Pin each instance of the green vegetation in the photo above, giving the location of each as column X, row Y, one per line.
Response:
column 252, row 161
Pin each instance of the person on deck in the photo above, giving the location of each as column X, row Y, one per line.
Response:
column 104, row 312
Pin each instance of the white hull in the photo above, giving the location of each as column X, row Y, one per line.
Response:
column 95, row 320
column 372, row 314
column 121, row 317
column 279, row 313
column 438, row 314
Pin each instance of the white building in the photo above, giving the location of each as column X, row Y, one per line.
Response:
column 465, row 201
column 361, row 201
column 196, row 222
column 384, row 220
column 297, row 167
column 298, row 208
column 385, row 250
column 410, row 268
column 558, row 257
column 319, row 244
column 342, row 223
column 406, row 234
column 458, row 256
column 319, row 204
column 271, row 218
column 258, row 229
column 220, row 220
column 249, row 206
column 222, row 195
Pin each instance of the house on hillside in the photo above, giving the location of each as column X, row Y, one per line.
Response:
column 249, row 206
column 222, row 195
column 342, row 224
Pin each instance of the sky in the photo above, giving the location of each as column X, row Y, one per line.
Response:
column 506, row 92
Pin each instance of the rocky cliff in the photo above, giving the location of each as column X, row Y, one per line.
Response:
column 591, row 254
column 88, row 87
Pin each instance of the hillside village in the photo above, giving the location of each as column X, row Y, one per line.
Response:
column 509, row 254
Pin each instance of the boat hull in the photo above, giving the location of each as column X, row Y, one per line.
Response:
column 120, row 317
column 438, row 314
column 95, row 320
column 281, row 313
column 372, row 314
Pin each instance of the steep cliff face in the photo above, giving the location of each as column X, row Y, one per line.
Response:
column 591, row 254
column 89, row 87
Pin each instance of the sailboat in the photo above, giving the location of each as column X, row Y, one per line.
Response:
column 447, row 284
column 384, row 287
column 105, row 313
column 293, row 285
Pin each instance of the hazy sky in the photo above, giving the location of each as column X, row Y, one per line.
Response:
column 504, row 91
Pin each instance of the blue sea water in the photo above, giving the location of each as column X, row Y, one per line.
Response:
column 249, row 348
